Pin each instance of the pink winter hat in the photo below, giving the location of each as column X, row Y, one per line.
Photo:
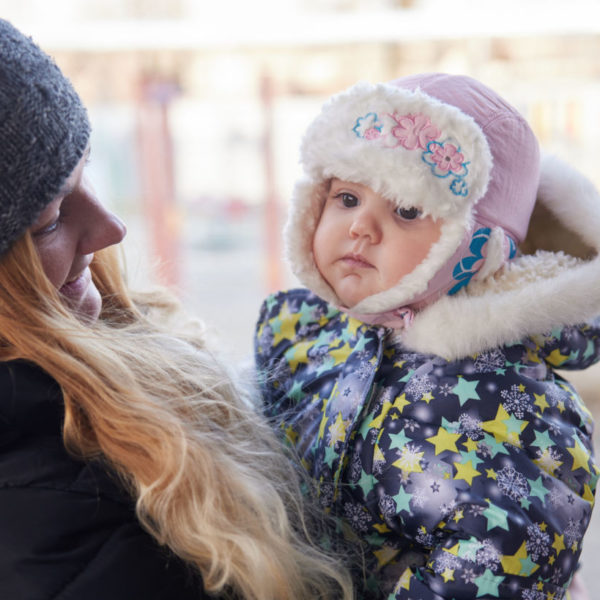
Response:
column 445, row 144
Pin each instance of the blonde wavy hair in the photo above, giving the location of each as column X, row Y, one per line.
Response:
column 209, row 478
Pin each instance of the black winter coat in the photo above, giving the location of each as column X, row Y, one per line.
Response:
column 67, row 529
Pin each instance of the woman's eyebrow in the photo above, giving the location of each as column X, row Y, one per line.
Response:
column 67, row 187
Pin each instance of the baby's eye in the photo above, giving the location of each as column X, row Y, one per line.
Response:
column 408, row 214
column 348, row 200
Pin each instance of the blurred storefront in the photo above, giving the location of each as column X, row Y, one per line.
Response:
column 198, row 112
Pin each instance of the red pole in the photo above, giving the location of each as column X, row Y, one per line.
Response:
column 157, row 177
column 272, row 221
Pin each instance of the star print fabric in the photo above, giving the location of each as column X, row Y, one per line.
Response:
column 465, row 479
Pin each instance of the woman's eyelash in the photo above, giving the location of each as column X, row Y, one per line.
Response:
column 48, row 228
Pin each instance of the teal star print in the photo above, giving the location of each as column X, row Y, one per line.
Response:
column 514, row 425
column 296, row 392
column 527, row 566
column 271, row 302
column 324, row 338
column 308, row 314
column 402, row 499
column 365, row 482
column 471, row 456
column 494, row 446
column 487, row 584
column 496, row 517
column 538, row 489
column 326, row 365
column 542, row 440
column 590, row 350
column 465, row 390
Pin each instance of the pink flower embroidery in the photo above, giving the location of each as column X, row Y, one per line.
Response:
column 372, row 133
column 448, row 158
column 414, row 131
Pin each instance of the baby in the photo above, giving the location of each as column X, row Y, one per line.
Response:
column 416, row 374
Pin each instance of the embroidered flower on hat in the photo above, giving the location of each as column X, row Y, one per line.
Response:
column 414, row 131
column 445, row 158
column 368, row 127
column 417, row 132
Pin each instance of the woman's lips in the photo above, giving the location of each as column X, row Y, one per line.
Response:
column 75, row 288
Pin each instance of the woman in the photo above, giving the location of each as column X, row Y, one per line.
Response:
column 131, row 464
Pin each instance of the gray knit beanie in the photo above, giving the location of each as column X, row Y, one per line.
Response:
column 44, row 131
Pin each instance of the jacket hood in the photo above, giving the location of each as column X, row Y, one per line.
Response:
column 553, row 282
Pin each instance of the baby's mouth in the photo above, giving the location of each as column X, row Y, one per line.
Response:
column 357, row 260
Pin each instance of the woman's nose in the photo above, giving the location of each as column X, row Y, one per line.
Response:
column 111, row 230
column 102, row 227
column 365, row 225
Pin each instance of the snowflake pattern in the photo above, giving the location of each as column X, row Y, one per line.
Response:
column 516, row 401
column 533, row 594
column 425, row 538
column 445, row 389
column 444, row 561
column 387, row 506
column 419, row 497
column 489, row 362
column 470, row 426
column 512, row 483
column 488, row 555
column 572, row 532
column 419, row 386
column 538, row 542
column 447, row 463
column 357, row 516
column 355, row 468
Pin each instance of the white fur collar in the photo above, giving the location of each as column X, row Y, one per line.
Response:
column 535, row 292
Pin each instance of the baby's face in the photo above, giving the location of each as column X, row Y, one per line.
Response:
column 364, row 244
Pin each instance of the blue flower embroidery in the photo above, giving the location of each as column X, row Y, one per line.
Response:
column 459, row 187
column 368, row 127
column 465, row 268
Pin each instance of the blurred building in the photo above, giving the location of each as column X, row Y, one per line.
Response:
column 198, row 109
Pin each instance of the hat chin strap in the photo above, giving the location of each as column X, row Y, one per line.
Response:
column 398, row 318
column 488, row 251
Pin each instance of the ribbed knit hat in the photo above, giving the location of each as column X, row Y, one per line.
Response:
column 44, row 131
column 445, row 144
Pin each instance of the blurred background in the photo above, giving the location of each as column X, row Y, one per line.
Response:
column 198, row 108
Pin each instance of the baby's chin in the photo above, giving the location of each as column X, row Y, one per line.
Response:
column 350, row 300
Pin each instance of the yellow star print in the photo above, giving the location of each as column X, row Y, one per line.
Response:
column 404, row 581
column 555, row 358
column 580, row 456
column 540, row 400
column 337, row 431
column 466, row 471
column 409, row 461
column 284, row 325
column 340, row 355
column 444, row 440
column 298, row 354
column 511, row 563
column 559, row 543
column 470, row 445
